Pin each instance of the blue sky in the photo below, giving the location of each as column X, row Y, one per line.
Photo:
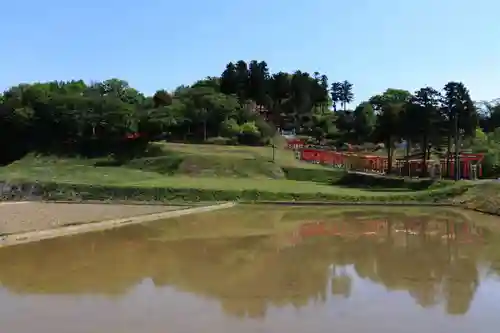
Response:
column 155, row 44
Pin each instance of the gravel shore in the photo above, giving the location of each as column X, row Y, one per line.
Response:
column 16, row 217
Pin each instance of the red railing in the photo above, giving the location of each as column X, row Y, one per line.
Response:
column 370, row 163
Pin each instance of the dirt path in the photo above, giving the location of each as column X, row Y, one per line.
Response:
column 28, row 216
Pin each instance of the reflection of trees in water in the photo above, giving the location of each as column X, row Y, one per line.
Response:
column 249, row 274
column 460, row 285
column 429, row 265
column 341, row 282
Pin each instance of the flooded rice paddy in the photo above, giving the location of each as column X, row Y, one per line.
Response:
column 263, row 269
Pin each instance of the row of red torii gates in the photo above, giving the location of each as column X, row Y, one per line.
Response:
column 470, row 164
column 462, row 232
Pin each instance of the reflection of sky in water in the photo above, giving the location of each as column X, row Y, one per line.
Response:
column 370, row 307
column 146, row 307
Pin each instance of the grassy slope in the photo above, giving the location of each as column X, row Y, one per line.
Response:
column 188, row 166
column 181, row 165
column 483, row 197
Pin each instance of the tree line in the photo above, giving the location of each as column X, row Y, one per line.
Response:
column 246, row 104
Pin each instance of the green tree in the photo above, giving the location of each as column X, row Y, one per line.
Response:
column 345, row 124
column 423, row 111
column 228, row 80
column 162, row 98
column 389, row 106
column 346, row 94
column 280, row 92
column 459, row 115
column 336, row 94
column 363, row 122
column 242, row 81
column 301, row 102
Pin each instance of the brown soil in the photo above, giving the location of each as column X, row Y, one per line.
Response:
column 22, row 217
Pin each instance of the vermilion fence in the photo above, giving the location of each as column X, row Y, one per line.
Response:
column 295, row 144
column 322, row 156
column 465, row 231
column 316, row 155
column 376, row 164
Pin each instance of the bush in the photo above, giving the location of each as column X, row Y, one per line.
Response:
column 266, row 130
column 315, row 175
column 491, row 164
column 375, row 181
column 249, row 133
column 229, row 128
column 219, row 140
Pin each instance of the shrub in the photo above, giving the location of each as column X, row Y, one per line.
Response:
column 229, row 128
column 219, row 140
column 375, row 181
column 315, row 175
column 249, row 133
column 266, row 129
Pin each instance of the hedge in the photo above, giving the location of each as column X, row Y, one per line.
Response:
column 313, row 175
column 341, row 177
column 376, row 181
column 77, row 192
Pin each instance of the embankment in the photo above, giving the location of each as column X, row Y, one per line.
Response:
column 108, row 193
column 484, row 197
column 20, row 235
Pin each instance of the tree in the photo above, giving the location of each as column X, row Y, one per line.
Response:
column 259, row 85
column 389, row 106
column 336, row 94
column 162, row 98
column 423, row 110
column 280, row 91
column 103, row 118
column 345, row 124
column 363, row 122
column 301, row 102
column 459, row 116
column 491, row 115
column 209, row 82
column 228, row 80
column 242, row 81
column 325, row 93
column 346, row 94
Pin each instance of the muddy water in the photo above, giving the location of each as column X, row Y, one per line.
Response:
column 263, row 269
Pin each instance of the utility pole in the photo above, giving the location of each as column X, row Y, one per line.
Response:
column 273, row 141
column 457, row 159
column 274, row 150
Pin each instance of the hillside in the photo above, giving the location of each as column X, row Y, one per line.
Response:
column 165, row 159
column 210, row 172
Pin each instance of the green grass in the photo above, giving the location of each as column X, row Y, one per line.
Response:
column 46, row 169
column 207, row 168
column 281, row 185
column 184, row 160
column 483, row 197
column 283, row 157
column 83, row 172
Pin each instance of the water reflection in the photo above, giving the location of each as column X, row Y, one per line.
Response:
column 252, row 261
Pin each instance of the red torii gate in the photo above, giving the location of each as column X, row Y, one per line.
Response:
column 465, row 160
column 377, row 163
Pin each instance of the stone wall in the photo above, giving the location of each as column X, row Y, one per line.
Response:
column 17, row 191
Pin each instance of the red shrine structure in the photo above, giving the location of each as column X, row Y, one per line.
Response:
column 462, row 232
column 470, row 164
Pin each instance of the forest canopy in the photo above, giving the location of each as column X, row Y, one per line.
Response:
column 245, row 104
